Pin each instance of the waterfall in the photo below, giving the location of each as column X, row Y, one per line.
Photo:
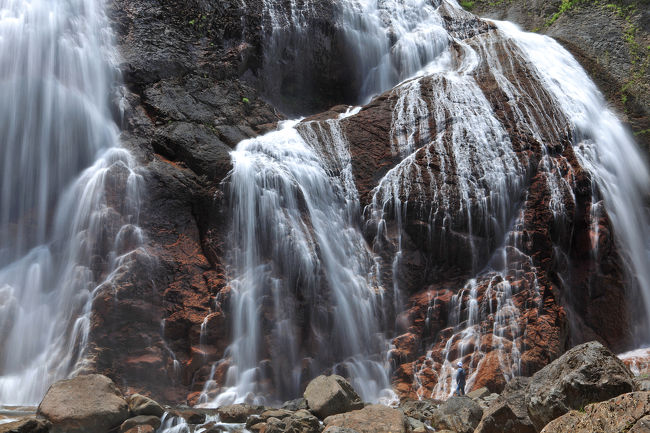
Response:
column 300, row 266
column 70, row 196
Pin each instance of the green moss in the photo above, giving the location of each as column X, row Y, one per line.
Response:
column 467, row 5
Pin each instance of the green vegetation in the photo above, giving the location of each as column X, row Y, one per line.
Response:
column 468, row 5
column 245, row 101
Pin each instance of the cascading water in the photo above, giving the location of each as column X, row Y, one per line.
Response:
column 300, row 268
column 70, row 198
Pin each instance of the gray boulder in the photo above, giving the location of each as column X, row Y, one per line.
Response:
column 84, row 404
column 331, row 395
column 141, row 405
column 300, row 422
column 421, row 410
column 459, row 414
column 508, row 413
column 586, row 374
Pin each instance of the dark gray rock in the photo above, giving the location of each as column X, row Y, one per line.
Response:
column 586, row 374
column 508, row 413
column 459, row 414
column 421, row 410
column 294, row 405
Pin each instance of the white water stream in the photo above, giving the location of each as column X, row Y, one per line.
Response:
column 69, row 197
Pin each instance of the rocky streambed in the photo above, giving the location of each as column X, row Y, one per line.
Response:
column 588, row 389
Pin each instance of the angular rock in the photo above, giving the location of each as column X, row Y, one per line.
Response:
column 375, row 418
column 238, row 413
column 300, row 422
column 586, row 374
column 331, row 395
column 140, row 421
column 26, row 425
column 190, row 416
column 340, row 430
column 141, row 405
column 459, row 414
column 478, row 393
column 508, row 413
column 297, row 404
column 626, row 413
column 84, row 404
column 421, row 410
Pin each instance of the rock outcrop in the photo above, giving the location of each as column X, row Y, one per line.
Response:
column 628, row 413
column 586, row 374
column 194, row 86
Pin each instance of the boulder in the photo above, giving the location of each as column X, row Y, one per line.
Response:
column 300, row 422
column 141, row 405
column 238, row 413
column 297, row 404
column 626, row 413
column 421, row 410
column 26, row 425
column 479, row 393
column 588, row 373
column 84, row 404
column 459, row 414
column 331, row 395
column 375, row 418
column 191, row 416
column 508, row 413
column 140, row 421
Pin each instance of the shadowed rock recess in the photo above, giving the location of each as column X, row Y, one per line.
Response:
column 474, row 215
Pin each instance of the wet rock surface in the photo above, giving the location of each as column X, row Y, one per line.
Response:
column 192, row 76
column 604, row 38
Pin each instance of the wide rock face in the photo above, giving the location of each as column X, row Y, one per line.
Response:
column 331, row 395
column 625, row 413
column 90, row 404
column 469, row 180
column 444, row 195
column 586, row 374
